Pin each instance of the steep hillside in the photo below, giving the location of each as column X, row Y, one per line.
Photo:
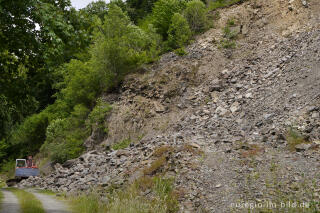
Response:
column 230, row 125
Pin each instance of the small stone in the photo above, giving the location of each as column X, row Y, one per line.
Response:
column 218, row 185
column 249, row 95
column 304, row 3
column 159, row 107
column 122, row 152
column 221, row 111
column 207, row 112
column 235, row 107
column 215, row 85
column 195, row 145
column 315, row 115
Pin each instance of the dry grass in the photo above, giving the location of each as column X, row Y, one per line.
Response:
column 254, row 150
column 191, row 149
column 156, row 166
column 162, row 150
column 144, row 183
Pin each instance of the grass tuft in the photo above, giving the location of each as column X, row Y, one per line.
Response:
column 122, row 144
column 294, row 138
column 28, row 202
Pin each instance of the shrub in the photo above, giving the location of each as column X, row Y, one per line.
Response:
column 162, row 13
column 80, row 84
column 229, row 35
column 179, row 32
column 96, row 118
column 66, row 136
column 196, row 15
column 7, row 169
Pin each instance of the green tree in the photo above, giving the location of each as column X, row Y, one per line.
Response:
column 179, row 32
column 98, row 8
column 139, row 9
column 119, row 48
column 162, row 13
column 196, row 14
column 36, row 37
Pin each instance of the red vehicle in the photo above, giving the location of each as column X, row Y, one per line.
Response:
column 24, row 169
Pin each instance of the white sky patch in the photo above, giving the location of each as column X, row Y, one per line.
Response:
column 79, row 4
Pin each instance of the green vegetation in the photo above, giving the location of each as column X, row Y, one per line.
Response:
column 294, row 138
column 213, row 5
column 229, row 35
column 196, row 14
column 122, row 144
column 179, row 32
column 28, row 59
column 8, row 169
column 2, row 183
column 64, row 137
column 46, row 191
column 28, row 202
column 130, row 199
column 162, row 14
column 1, row 198
column 57, row 62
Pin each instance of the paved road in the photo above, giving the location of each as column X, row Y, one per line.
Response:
column 10, row 203
column 50, row 204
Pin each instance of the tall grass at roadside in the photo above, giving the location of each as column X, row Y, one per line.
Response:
column 28, row 202
column 133, row 199
column 1, row 197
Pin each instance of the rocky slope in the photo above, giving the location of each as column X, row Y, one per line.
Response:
column 218, row 119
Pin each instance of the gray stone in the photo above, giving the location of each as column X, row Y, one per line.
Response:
column 303, row 147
